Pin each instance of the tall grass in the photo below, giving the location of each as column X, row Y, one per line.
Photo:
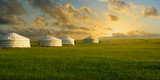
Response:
column 118, row 59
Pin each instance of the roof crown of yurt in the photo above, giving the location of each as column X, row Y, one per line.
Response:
column 68, row 41
column 49, row 41
column 14, row 40
column 91, row 39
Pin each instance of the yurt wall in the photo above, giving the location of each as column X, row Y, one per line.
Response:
column 68, row 41
column 49, row 41
column 14, row 40
column 91, row 40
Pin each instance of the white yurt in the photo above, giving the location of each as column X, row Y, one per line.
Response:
column 14, row 40
column 91, row 40
column 68, row 41
column 49, row 41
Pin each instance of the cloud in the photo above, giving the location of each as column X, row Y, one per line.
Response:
column 131, row 33
column 83, row 0
column 31, row 32
column 6, row 20
column 55, row 10
column 63, row 0
column 150, row 12
column 67, row 18
column 39, row 22
column 119, row 3
column 118, row 34
column 9, row 10
column 62, row 14
column 85, row 9
column 112, row 17
column 62, row 20
column 17, row 24
column 120, row 6
column 135, row 35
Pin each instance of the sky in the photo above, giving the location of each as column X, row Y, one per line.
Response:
column 79, row 18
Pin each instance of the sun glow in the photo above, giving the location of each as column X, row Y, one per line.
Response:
column 111, row 32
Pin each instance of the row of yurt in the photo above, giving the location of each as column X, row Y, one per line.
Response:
column 50, row 41
column 14, row 40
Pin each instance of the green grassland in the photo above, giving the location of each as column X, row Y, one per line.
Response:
column 137, row 59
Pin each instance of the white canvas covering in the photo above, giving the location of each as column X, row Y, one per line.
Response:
column 14, row 40
column 49, row 41
column 68, row 41
column 91, row 40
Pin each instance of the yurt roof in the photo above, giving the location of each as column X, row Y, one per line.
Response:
column 48, row 37
column 13, row 36
column 90, row 37
column 67, row 38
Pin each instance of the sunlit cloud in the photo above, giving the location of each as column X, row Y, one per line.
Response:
column 150, row 12
column 66, row 18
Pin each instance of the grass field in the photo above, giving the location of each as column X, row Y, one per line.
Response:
column 116, row 60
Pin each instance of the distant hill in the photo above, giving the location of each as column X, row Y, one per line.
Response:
column 149, row 36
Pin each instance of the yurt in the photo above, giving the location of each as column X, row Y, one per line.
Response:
column 14, row 40
column 91, row 40
column 68, row 41
column 49, row 41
